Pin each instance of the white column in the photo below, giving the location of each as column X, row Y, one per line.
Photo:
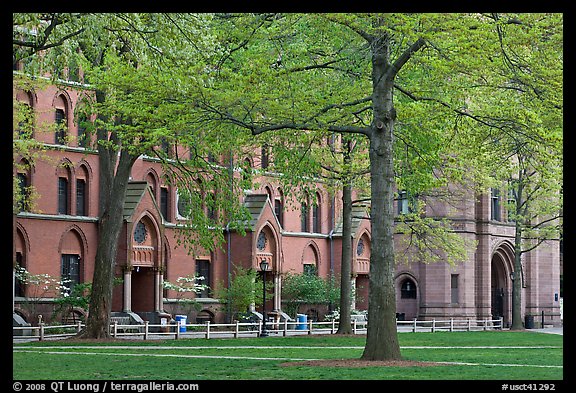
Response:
column 353, row 298
column 277, row 291
column 158, row 290
column 127, row 290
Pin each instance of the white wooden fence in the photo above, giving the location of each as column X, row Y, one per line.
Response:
column 208, row 330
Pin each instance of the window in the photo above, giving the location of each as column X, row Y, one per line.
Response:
column 360, row 248
column 23, row 186
column 203, row 270
column 183, row 205
column 264, row 157
column 304, row 217
column 83, row 137
column 80, row 197
column 210, row 204
column 495, row 205
column 278, row 209
column 316, row 222
column 26, row 124
column 408, row 289
column 511, row 205
column 61, row 126
column 70, row 270
column 246, row 174
column 73, row 70
column 454, row 288
column 404, row 203
column 63, row 198
column 310, row 269
column 164, row 203
column 165, row 147
column 19, row 285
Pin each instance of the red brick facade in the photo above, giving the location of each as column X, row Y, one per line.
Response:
column 479, row 287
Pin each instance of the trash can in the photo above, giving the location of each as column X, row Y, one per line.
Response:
column 181, row 321
column 529, row 322
column 302, row 319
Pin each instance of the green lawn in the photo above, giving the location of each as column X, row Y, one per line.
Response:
column 522, row 356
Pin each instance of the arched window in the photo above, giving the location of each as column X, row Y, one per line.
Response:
column 63, row 195
column 310, row 261
column 304, row 217
column 61, row 119
column 495, row 204
column 408, row 289
column 70, row 258
column 24, row 114
column 264, row 157
column 247, row 174
column 64, row 200
column 24, row 186
column 82, row 186
column 83, row 135
column 316, row 215
column 279, row 207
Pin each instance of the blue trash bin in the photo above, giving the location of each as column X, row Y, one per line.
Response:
column 302, row 319
column 181, row 321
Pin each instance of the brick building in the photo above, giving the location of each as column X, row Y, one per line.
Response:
column 58, row 237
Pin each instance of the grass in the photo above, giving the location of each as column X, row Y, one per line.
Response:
column 234, row 359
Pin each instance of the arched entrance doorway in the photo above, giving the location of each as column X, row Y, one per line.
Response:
column 143, row 292
column 266, row 249
column 501, row 284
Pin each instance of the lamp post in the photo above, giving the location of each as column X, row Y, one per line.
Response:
column 264, row 267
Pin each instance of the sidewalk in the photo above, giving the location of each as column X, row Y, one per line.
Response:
column 550, row 330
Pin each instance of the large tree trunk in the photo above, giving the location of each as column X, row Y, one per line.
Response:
column 382, row 336
column 113, row 178
column 109, row 227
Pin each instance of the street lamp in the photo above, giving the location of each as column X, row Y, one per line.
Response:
column 264, row 267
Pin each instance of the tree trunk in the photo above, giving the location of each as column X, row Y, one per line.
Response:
column 382, row 335
column 113, row 183
column 517, row 283
column 345, row 326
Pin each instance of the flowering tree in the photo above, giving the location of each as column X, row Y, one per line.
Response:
column 184, row 286
column 39, row 287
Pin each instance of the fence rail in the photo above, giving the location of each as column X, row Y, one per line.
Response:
column 148, row 331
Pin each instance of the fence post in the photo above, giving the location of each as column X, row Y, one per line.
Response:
column 469, row 327
column 115, row 329
column 41, row 331
column 333, row 326
column 414, row 327
column 310, row 327
column 501, row 323
column 433, row 325
column 177, row 330
column 145, row 330
column 236, row 329
column 354, row 326
column 451, row 324
column 285, row 327
column 79, row 327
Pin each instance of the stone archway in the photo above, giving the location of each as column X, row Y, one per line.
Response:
column 501, row 284
column 266, row 246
